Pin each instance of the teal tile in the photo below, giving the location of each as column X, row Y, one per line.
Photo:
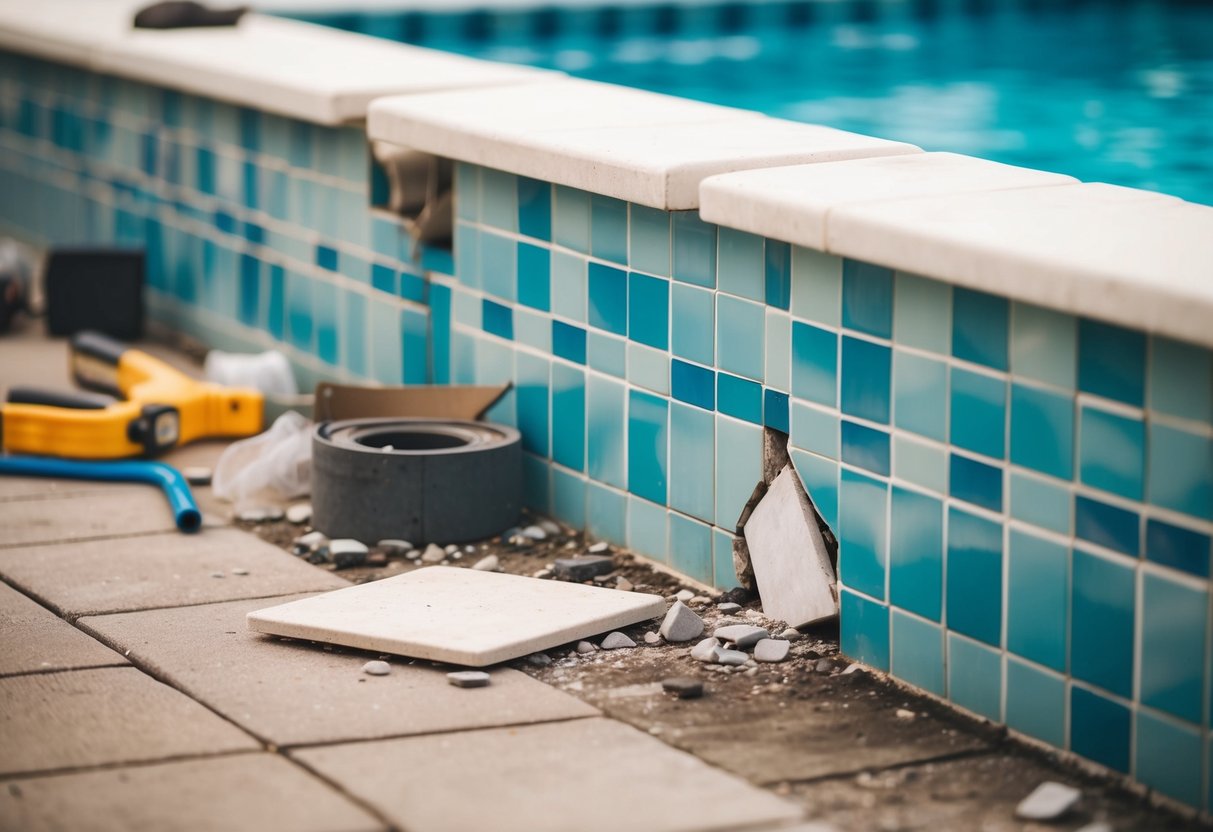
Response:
column 916, row 553
column 865, row 379
column 568, row 415
column 862, row 532
column 1042, row 430
column 1044, row 345
column 692, row 458
column 1168, row 758
column 648, row 529
column 1038, row 593
column 1041, row 502
column 740, row 264
column 922, row 313
column 867, row 298
column 568, row 289
column 975, row 677
column 1100, row 728
column 607, row 353
column 648, row 445
column 1181, row 379
column 606, row 513
column 605, row 423
column 980, row 328
column 532, row 385
column 974, row 577
column 779, row 351
column 816, row 286
column 814, row 429
column 499, row 265
column 693, row 323
column 1180, row 473
column 1101, row 622
column 571, row 219
column 920, row 393
column 649, row 232
column 814, row 363
column 691, row 547
column 920, row 463
column 864, row 630
column 1111, row 452
column 820, row 479
column 918, row 652
column 649, row 368
column 694, row 249
column 738, row 467
column 1036, row 702
column 740, row 327
column 609, row 228
column 1111, row 362
column 978, row 412
column 724, row 575
column 1171, row 676
column 568, row 497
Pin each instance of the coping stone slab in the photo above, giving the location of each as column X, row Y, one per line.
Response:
column 295, row 693
column 568, row 767
column 163, row 570
column 33, row 639
column 240, row 793
column 461, row 616
column 80, row 718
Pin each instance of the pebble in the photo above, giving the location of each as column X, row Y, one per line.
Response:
column 433, row 554
column 299, row 513
column 550, row 527
column 852, row 668
column 542, row 573
column 742, row 635
column 684, row 595
column 599, row 547
column 616, row 640
column 346, row 552
column 240, row 571
column 707, row 650
column 539, row 659
column 451, row 549
column 755, row 615
column 791, row 634
column 902, row 713
column 469, row 679
column 218, row 575
column 734, row 658
column 585, row 647
column 521, row 541
column 771, row 650
column 253, row 515
column 623, row 584
column 683, row 687
column 824, row 666
column 377, row 668
column 393, row 546
column 681, row 623
column 583, row 568
column 652, row 638
column 535, row 533
column 728, row 608
column 197, row 475
column 1048, row 801
column 309, row 542
column 488, row 564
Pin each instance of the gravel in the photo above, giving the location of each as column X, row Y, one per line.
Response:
column 433, row 554
column 1048, row 801
column 299, row 513
column 376, row 668
column 492, row 563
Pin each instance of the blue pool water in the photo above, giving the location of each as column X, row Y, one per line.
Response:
column 1106, row 90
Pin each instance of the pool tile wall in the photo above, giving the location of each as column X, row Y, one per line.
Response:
column 1024, row 499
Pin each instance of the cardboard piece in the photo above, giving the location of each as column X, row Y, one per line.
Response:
column 346, row 401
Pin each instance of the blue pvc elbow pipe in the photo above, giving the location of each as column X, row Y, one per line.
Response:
column 169, row 479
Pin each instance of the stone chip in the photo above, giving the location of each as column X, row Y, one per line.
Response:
column 681, row 623
column 616, row 640
column 1048, row 801
column 743, row 636
column 771, row 650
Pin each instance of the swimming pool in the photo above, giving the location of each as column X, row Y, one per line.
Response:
column 1116, row 91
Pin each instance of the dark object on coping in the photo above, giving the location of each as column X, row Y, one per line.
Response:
column 185, row 14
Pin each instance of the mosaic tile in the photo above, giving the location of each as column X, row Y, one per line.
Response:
column 694, row 249
column 606, row 403
column 920, row 386
column 862, row 532
column 1044, row 345
column 916, row 553
column 980, row 328
column 1036, row 702
column 917, row 652
column 740, row 264
column 739, row 398
column 816, row 286
column 648, row 440
column 649, row 240
column 1173, row 647
column 607, row 353
column 1180, row 472
column 1100, row 728
column 975, row 677
column 865, row 447
column 740, row 326
column 865, row 379
column 692, row 457
column 1181, row 379
column 1038, row 598
column 1101, row 622
column 609, row 228
column 648, row 310
column 978, row 407
column 1112, row 452
column 1111, row 362
column 814, row 363
column 864, row 630
column 1042, row 430
column 691, row 547
column 1168, row 758
column 649, row 529
column 1177, row 547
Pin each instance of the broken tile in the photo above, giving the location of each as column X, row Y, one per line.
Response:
column 33, row 639
column 1048, row 801
column 743, row 636
column 791, row 563
column 583, row 568
column 459, row 616
column 771, row 650
column 469, row 679
column 681, row 623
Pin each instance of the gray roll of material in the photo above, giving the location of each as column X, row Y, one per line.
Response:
column 423, row 480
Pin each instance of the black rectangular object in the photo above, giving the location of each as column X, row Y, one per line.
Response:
column 99, row 289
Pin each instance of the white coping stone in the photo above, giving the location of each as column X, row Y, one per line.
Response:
column 457, row 615
column 794, row 203
column 637, row 146
column 68, row 31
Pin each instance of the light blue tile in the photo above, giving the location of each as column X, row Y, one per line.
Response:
column 816, row 286
column 920, row 392
column 1100, row 728
column 468, row 309
column 974, row 579
column 648, row 529
column 1111, row 362
column 355, row 334
column 325, row 320
column 499, row 265
column 740, row 336
column 978, row 412
column 820, row 479
column 980, row 328
column 918, row 653
column 533, row 329
column 738, row 467
column 1168, row 758
column 779, row 351
column 1038, row 593
column 1180, row 474
column 1101, row 622
column 814, row 429
column 1044, row 345
column 467, row 191
column 569, row 279
column 866, row 379
column 568, row 416
column 532, row 385
column 494, row 362
column 692, row 458
column 920, row 463
column 1181, row 379
column 724, row 575
column 691, row 548
column 607, row 353
column 694, row 249
column 864, row 630
column 862, row 532
column 693, row 323
column 649, row 368
column 916, row 553
column 1042, row 430
column 1041, row 502
column 1173, row 646
column 605, row 443
column 1112, row 452
column 975, row 677
column 1036, row 702
column 922, row 313
column 814, row 363
column 568, row 497
column 384, row 325
column 740, row 264
column 649, row 230
column 649, row 310
column 606, row 513
column 571, row 219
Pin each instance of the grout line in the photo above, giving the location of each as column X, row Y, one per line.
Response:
column 51, row 671
column 118, row 765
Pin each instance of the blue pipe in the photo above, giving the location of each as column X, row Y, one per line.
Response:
column 170, row 481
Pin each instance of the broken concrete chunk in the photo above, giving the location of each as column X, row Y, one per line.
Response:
column 772, row 650
column 616, row 640
column 728, row 608
column 743, row 636
column 733, row 658
column 345, row 552
column 433, row 554
column 1048, row 801
column 683, row 687
column 299, row 513
column 681, row 623
column 487, row 564
column 583, row 568
column 377, row 668
column 790, row 559
column 468, row 679
column 707, row 650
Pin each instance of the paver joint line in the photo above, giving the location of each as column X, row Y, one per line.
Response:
column 967, row 754
column 119, row 765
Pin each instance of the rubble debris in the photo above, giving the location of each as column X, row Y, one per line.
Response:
column 542, row 573
column 433, row 554
column 392, row 546
column 488, row 564
column 551, row 527
column 902, row 713
column 824, row 666
column 734, row 658
column 700, row 600
column 737, row 595
column 241, row 571
column 469, row 679
column 299, row 513
column 681, row 623
column 623, row 584
column 197, row 474
column 308, row 543
column 684, row 595
column 376, row 559
column 346, row 553
column 376, row 668
column 683, row 687
column 585, row 647
column 539, row 659
column 728, row 608
column 616, row 640
column 535, row 533
column 583, row 568
column 599, row 547
column 743, row 636
column 1048, row 801
column 652, row 638
column 772, row 650
column 852, row 668
column 707, row 650
column 791, row 634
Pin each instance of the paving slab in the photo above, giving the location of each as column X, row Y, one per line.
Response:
column 162, row 570
column 34, row 639
column 591, row 774
column 119, row 510
column 241, row 793
column 295, row 693
column 81, row 718
column 462, row 616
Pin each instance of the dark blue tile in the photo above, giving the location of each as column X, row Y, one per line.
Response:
column 608, row 298
column 275, row 318
column 435, row 259
column 250, row 129
column 225, row 222
column 775, row 410
column 381, row 188
column 250, row 289
column 778, row 274
column 1111, row 361
column 534, row 276
column 974, row 591
column 865, row 447
column 147, row 153
column 609, row 228
column 865, row 379
column 1102, row 622
column 534, row 208
column 648, row 433
column 978, row 406
column 1099, row 729
column 979, row 328
column 414, row 287
column 251, row 200
column 1177, row 547
column 383, row 278
column 739, row 397
column 440, row 334
column 568, row 342
column 649, row 310
column 692, row 384
column 864, row 630
column 326, row 258
column 814, row 363
column 867, row 298
column 1106, row 525
column 204, row 167
column 497, row 319
column 975, row 482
